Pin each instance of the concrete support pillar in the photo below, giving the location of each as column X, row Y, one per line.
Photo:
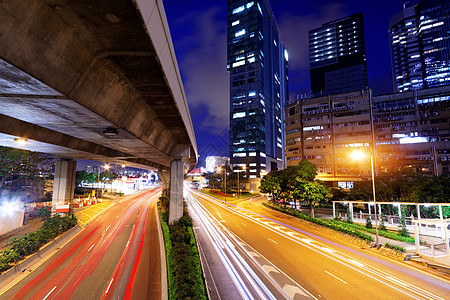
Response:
column 334, row 210
column 165, row 178
column 418, row 211
column 441, row 215
column 351, row 210
column 379, row 211
column 370, row 211
column 64, row 182
column 176, row 190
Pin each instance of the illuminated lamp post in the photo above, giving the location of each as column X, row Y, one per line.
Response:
column 359, row 155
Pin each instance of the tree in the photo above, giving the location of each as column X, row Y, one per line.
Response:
column 84, row 177
column 270, row 183
column 312, row 192
column 22, row 163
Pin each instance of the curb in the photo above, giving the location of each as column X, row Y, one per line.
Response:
column 10, row 275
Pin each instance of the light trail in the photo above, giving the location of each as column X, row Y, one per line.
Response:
column 236, row 266
column 344, row 259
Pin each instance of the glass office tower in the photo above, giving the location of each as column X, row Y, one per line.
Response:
column 420, row 46
column 257, row 64
column 337, row 54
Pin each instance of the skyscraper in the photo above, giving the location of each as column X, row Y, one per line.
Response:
column 420, row 46
column 337, row 54
column 257, row 64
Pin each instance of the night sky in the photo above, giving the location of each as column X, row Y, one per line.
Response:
column 198, row 30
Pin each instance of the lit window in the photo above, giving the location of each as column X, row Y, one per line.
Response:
column 252, row 154
column 252, row 170
column 251, row 60
column 252, row 164
column 252, row 93
column 238, row 115
column 239, row 154
column 250, row 4
column 235, row 23
column 239, row 33
column 286, row 56
column 252, row 176
column 263, row 155
column 239, row 63
column 239, row 9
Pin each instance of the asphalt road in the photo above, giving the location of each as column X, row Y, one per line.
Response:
column 114, row 257
column 309, row 263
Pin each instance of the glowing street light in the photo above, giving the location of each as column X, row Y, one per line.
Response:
column 20, row 141
column 360, row 155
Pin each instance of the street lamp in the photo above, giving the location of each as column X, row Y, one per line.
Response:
column 359, row 155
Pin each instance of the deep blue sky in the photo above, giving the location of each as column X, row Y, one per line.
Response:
column 198, row 30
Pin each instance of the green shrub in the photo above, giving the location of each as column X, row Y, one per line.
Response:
column 184, row 269
column 398, row 248
column 368, row 223
column 336, row 225
column 44, row 213
column 19, row 247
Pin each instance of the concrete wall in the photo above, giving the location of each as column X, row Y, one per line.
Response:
column 11, row 221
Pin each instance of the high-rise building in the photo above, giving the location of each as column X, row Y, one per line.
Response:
column 257, row 64
column 410, row 129
column 337, row 55
column 420, row 46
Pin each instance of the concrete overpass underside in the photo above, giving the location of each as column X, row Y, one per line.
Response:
column 97, row 80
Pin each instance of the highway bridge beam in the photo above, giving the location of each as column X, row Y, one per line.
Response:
column 64, row 182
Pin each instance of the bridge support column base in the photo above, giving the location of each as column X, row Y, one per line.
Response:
column 64, row 182
column 176, row 190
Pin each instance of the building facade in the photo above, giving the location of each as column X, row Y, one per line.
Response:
column 420, row 46
column 337, row 56
column 410, row 130
column 257, row 64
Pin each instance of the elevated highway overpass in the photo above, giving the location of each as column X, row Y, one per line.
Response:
column 94, row 80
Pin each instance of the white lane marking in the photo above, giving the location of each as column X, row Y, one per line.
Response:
column 252, row 254
column 272, row 241
column 49, row 292
column 335, row 277
column 356, row 263
column 327, row 250
column 90, row 247
column 292, row 290
column 244, row 224
column 269, row 269
column 109, row 285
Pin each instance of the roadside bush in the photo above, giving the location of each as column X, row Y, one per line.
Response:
column 368, row 223
column 336, row 225
column 398, row 248
column 44, row 213
column 19, row 247
column 184, row 269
